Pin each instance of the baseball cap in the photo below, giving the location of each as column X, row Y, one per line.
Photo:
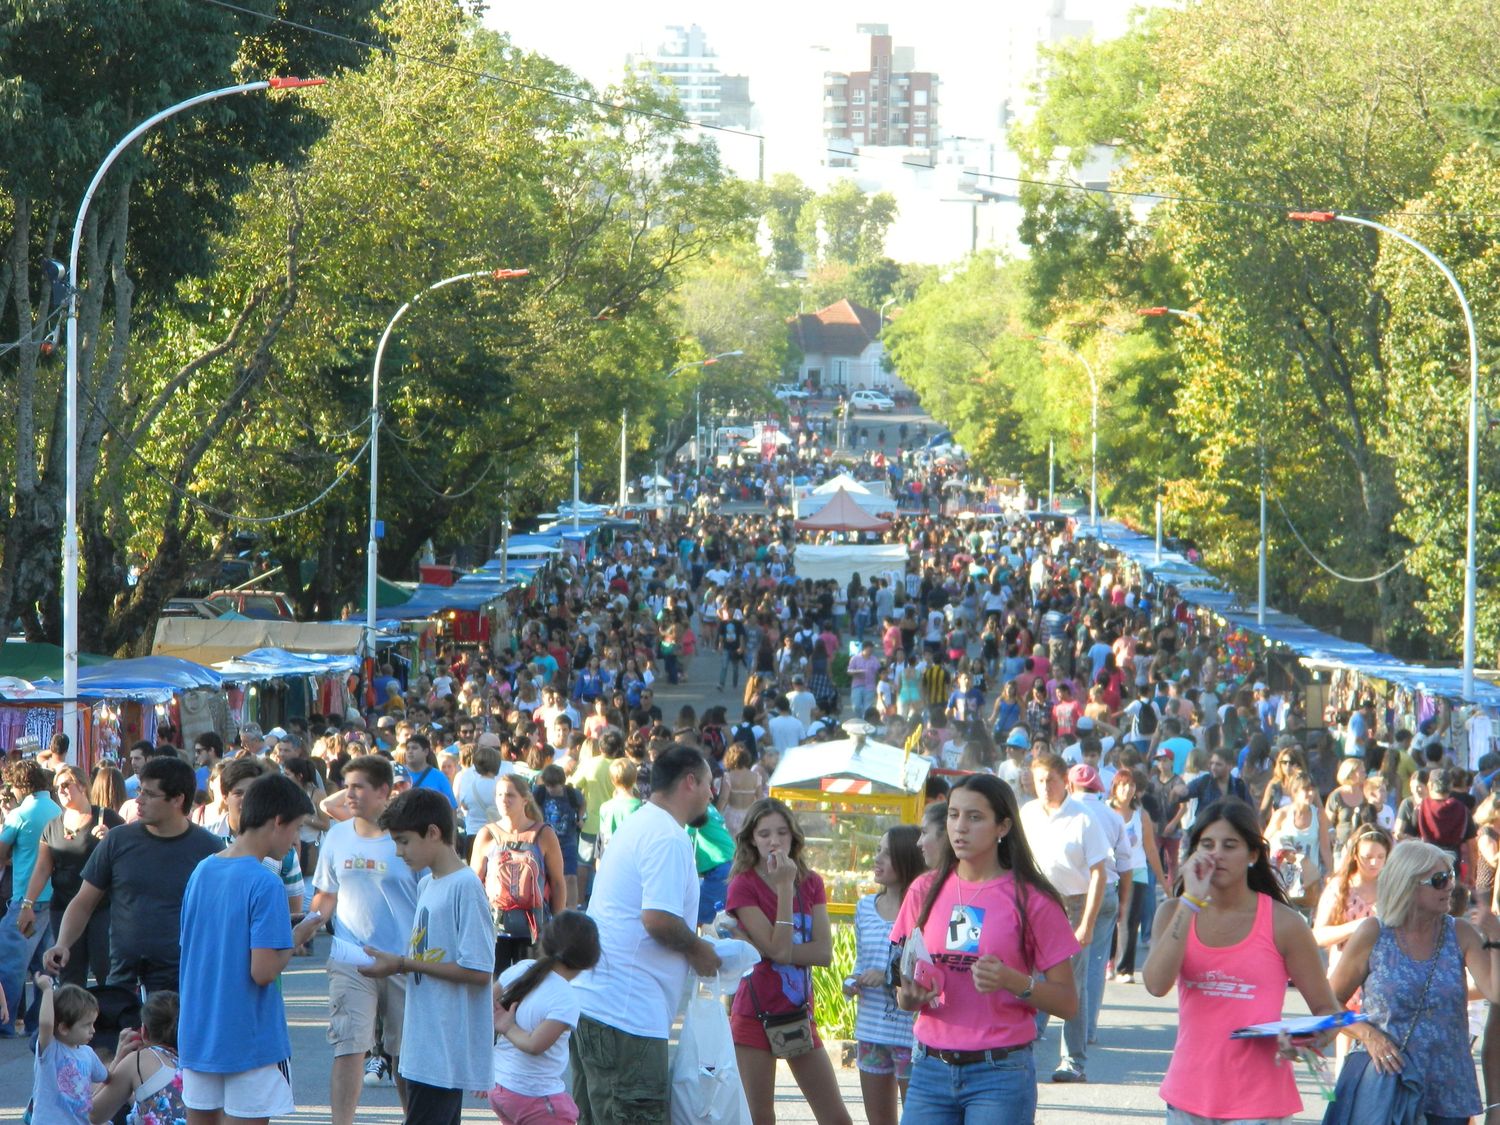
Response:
column 275, row 733
column 1086, row 777
column 1084, row 723
column 1019, row 737
column 1260, row 685
column 385, row 722
column 1163, row 752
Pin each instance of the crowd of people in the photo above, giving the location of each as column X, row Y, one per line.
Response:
column 521, row 858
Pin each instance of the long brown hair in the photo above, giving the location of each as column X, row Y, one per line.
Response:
column 906, row 855
column 513, row 781
column 1340, row 912
column 746, row 857
column 1013, row 852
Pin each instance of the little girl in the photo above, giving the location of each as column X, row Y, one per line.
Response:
column 66, row 1068
column 535, row 1012
column 883, row 1032
column 145, row 1073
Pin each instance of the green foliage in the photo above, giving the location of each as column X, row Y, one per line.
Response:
column 834, row 1011
column 844, row 226
column 781, row 203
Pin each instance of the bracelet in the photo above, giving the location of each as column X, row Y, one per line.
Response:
column 1199, row 903
column 1490, row 943
column 1189, row 903
column 27, row 904
column 780, row 923
column 401, row 965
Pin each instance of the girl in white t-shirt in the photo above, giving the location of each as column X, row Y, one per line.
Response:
column 535, row 1012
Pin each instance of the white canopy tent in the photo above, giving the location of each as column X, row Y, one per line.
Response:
column 842, row 561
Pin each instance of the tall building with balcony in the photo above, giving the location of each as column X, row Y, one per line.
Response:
column 685, row 62
column 890, row 105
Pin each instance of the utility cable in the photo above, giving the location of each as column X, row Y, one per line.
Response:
column 1397, row 565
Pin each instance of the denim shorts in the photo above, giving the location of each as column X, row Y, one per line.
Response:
column 942, row 1094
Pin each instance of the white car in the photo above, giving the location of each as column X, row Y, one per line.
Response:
column 785, row 391
column 871, row 400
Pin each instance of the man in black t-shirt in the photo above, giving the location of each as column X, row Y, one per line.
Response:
column 144, row 869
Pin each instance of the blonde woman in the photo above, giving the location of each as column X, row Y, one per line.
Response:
column 1288, row 762
column 520, row 861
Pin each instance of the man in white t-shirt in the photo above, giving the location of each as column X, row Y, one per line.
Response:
column 785, row 729
column 1072, row 852
column 645, row 903
column 801, row 701
column 371, row 895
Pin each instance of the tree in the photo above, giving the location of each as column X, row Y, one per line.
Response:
column 781, row 202
column 78, row 77
column 258, row 371
column 845, row 226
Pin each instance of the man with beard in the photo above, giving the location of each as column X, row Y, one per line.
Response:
column 645, row 902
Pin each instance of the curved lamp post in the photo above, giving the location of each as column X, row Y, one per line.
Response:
column 1471, row 571
column 70, row 501
column 372, row 549
column 1093, row 427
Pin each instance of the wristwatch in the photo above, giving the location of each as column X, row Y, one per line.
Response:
column 1025, row 994
column 1491, row 943
column 28, row 903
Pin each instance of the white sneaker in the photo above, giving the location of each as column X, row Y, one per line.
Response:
column 377, row 1071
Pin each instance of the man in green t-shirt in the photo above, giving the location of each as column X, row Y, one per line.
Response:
column 591, row 778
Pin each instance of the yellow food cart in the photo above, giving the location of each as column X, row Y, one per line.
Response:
column 845, row 794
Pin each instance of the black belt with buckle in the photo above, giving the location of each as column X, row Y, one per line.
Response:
column 966, row 1058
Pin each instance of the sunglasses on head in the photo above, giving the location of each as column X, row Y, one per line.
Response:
column 1438, row 881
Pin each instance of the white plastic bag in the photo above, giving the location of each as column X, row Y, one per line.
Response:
column 706, row 1086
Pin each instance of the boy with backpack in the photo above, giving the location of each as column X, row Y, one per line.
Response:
column 563, row 808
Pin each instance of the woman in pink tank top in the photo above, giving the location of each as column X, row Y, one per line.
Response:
column 1230, row 943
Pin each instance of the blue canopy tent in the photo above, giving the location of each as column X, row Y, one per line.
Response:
column 1315, row 648
column 149, row 679
column 276, row 663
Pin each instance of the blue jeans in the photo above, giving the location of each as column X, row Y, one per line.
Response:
column 1099, row 951
column 728, row 660
column 940, row 1094
column 1075, row 1030
column 713, row 890
column 17, row 954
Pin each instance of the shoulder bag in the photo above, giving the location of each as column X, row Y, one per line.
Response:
column 789, row 1034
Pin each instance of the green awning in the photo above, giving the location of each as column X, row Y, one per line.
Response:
column 27, row 660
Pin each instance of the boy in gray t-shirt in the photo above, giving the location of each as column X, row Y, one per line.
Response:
column 449, row 1029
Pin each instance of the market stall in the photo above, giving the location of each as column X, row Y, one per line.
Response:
column 845, row 794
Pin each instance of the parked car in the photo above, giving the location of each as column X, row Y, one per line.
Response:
column 785, row 391
column 263, row 605
column 871, row 400
column 190, row 607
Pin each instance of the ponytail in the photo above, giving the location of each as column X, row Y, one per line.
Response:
column 570, row 939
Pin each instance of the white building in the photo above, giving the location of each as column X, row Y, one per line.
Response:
column 842, row 350
column 686, row 63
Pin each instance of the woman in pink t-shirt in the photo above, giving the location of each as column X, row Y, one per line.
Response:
column 782, row 908
column 1230, row 942
column 999, row 943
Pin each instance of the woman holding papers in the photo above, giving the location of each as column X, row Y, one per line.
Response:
column 1230, row 942
column 1410, row 961
column 991, row 943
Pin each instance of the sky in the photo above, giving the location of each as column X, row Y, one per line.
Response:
column 786, row 45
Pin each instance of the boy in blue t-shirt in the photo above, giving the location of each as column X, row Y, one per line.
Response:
column 66, row 1070
column 236, row 939
column 562, row 806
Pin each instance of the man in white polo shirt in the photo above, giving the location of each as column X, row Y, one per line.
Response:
column 645, row 903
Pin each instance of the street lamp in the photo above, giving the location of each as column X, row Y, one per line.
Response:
column 1093, row 428
column 1471, row 566
column 70, row 498
column 698, row 403
column 372, row 550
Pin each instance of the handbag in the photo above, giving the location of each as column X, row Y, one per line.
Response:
column 789, row 1034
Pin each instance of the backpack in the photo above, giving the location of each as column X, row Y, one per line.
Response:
column 562, row 813
column 516, row 882
column 745, row 733
column 713, row 741
column 1144, row 723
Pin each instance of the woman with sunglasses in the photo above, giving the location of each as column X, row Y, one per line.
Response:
column 66, row 844
column 1409, row 963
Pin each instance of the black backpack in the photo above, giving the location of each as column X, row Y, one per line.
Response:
column 745, row 733
column 1145, row 718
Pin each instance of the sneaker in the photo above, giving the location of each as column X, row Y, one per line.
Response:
column 1069, row 1071
column 1124, row 978
column 377, row 1071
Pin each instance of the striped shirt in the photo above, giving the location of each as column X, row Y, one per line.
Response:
column 878, row 1020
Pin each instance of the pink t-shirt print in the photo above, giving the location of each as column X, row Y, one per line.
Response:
column 969, row 921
